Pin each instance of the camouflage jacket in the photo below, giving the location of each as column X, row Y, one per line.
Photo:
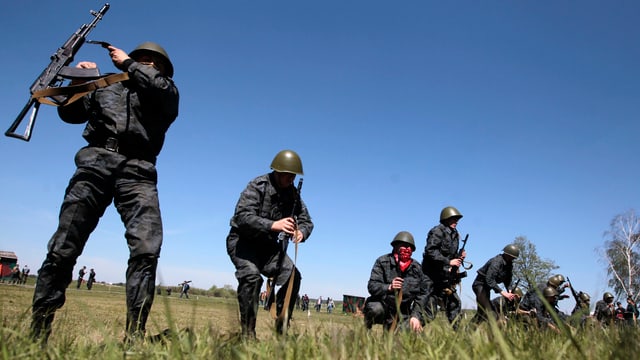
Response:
column 414, row 288
column 442, row 246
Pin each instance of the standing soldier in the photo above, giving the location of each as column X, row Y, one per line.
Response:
column 92, row 279
column 397, row 283
column 631, row 313
column 604, row 311
column 81, row 273
column 25, row 274
column 497, row 270
column 126, row 123
column 439, row 258
column 262, row 213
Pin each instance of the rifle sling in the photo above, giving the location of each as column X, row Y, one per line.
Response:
column 75, row 92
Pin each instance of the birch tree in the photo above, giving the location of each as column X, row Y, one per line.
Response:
column 621, row 254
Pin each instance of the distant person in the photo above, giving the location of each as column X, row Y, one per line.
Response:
column 262, row 212
column 330, row 306
column 631, row 312
column 397, row 283
column 81, row 272
column 619, row 313
column 184, row 289
column 92, row 279
column 169, row 290
column 319, row 304
column 498, row 270
column 126, row 123
column 25, row 274
column 15, row 275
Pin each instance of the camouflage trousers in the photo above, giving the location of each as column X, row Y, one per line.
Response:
column 102, row 177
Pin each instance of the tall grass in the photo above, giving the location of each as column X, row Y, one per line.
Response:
column 91, row 325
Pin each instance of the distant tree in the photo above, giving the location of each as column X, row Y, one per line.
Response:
column 621, row 254
column 224, row 292
column 529, row 268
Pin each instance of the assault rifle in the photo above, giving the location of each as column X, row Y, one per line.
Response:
column 54, row 74
column 576, row 296
column 283, row 241
column 515, row 286
column 455, row 275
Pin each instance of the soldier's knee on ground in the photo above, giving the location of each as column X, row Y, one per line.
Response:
column 373, row 314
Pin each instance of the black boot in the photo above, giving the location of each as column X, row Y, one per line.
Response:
column 41, row 325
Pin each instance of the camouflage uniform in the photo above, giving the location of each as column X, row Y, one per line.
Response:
column 497, row 270
column 380, row 307
column 532, row 301
column 604, row 312
column 504, row 307
column 254, row 249
column 125, row 131
column 442, row 247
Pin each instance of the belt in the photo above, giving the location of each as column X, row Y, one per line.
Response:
column 111, row 144
column 114, row 145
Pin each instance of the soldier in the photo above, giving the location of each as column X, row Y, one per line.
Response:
column 126, row 126
column 559, row 283
column 534, row 306
column 92, row 279
column 397, row 277
column 497, row 270
column 580, row 315
column 507, row 309
column 81, row 272
column 582, row 304
column 604, row 311
column 439, row 258
column 261, row 214
column 631, row 312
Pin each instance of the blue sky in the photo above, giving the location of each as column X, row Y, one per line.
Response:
column 523, row 115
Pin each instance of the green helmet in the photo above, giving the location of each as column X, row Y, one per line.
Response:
column 449, row 212
column 287, row 161
column 404, row 237
column 584, row 297
column 608, row 297
column 157, row 49
column 512, row 251
column 518, row 292
column 549, row 291
column 556, row 280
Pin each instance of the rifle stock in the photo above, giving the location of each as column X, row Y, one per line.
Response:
column 53, row 74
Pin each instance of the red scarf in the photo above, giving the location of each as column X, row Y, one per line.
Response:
column 403, row 257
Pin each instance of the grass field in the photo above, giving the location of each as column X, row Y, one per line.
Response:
column 90, row 326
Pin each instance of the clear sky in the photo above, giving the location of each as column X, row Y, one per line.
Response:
column 522, row 114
